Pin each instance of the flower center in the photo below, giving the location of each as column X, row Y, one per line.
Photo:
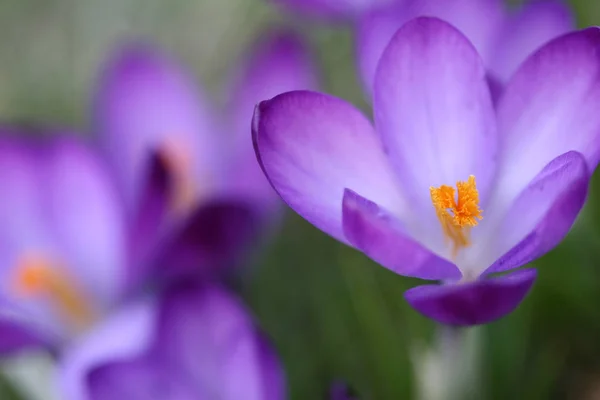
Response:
column 180, row 166
column 458, row 216
column 38, row 276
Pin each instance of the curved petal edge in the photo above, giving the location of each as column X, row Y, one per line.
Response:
column 473, row 303
column 380, row 236
column 312, row 146
column 553, row 198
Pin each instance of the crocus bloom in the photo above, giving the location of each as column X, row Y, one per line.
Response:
column 64, row 247
column 211, row 192
column 503, row 37
column 62, row 243
column 335, row 9
column 445, row 187
column 191, row 343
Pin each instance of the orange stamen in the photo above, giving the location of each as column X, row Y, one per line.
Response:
column 36, row 276
column 179, row 164
column 458, row 216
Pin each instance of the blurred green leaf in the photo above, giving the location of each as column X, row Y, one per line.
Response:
column 8, row 391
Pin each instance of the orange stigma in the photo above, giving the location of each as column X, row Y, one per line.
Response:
column 37, row 276
column 180, row 167
column 457, row 216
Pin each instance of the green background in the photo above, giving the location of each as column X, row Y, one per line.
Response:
column 332, row 313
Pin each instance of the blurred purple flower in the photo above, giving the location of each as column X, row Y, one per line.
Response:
column 191, row 183
column 339, row 391
column 389, row 192
column 192, row 343
column 343, row 10
column 503, row 37
column 62, row 242
column 80, row 240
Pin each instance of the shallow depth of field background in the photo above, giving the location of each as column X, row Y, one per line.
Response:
column 331, row 312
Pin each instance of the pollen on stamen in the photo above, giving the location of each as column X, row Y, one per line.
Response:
column 457, row 216
column 35, row 276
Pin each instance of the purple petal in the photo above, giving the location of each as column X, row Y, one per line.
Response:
column 208, row 335
column 15, row 337
column 21, row 213
column 22, row 229
column 123, row 336
column 144, row 378
column 549, row 108
column 86, row 218
column 60, row 206
column 280, row 63
column 381, row 237
column 150, row 223
column 146, row 103
column 312, row 147
column 496, row 89
column 214, row 237
column 28, row 322
column 527, row 30
column 472, row 303
column 334, row 9
column 373, row 33
column 273, row 375
column 478, row 20
column 205, row 347
column 434, row 111
column 543, row 213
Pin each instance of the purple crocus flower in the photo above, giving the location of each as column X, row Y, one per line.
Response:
column 343, row 10
column 77, row 248
column 504, row 38
column 62, row 242
column 189, row 176
column 192, row 343
column 521, row 170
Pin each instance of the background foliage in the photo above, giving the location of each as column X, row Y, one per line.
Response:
column 332, row 313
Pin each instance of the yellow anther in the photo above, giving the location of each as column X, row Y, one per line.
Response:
column 457, row 216
column 38, row 276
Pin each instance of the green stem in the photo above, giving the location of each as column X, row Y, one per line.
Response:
column 8, row 391
column 448, row 371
